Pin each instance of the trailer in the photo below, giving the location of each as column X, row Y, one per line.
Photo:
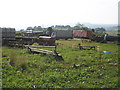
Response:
column 82, row 33
column 62, row 34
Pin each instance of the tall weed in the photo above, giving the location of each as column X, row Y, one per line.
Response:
column 18, row 60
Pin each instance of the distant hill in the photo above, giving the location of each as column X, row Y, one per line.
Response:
column 108, row 27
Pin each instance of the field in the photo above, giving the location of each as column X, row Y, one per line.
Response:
column 113, row 32
column 79, row 69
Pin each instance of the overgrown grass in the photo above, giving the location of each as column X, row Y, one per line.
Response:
column 44, row 71
column 18, row 60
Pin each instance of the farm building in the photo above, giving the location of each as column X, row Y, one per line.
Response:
column 8, row 33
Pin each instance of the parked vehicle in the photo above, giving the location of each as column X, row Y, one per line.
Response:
column 66, row 34
column 82, row 33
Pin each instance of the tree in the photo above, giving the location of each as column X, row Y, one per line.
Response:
column 21, row 30
column 79, row 26
column 50, row 30
column 76, row 27
column 52, row 26
column 37, row 28
column 84, row 28
column 100, row 31
column 67, row 26
column 93, row 30
column 29, row 28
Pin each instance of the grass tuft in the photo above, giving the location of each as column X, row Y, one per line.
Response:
column 18, row 60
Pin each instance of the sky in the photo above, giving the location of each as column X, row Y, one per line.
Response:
column 21, row 14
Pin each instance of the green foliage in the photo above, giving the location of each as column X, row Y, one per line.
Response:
column 79, row 26
column 100, row 31
column 44, row 71
column 50, row 30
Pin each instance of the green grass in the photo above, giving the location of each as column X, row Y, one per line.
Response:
column 44, row 71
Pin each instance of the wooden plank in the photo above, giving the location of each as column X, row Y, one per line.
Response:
column 41, row 51
column 89, row 46
column 38, row 46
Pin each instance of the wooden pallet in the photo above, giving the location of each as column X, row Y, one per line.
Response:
column 35, row 49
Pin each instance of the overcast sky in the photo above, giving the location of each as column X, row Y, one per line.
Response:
column 23, row 13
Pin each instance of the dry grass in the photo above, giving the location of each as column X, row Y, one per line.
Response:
column 35, row 44
column 18, row 60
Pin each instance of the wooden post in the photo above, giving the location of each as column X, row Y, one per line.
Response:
column 55, row 47
column 80, row 47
